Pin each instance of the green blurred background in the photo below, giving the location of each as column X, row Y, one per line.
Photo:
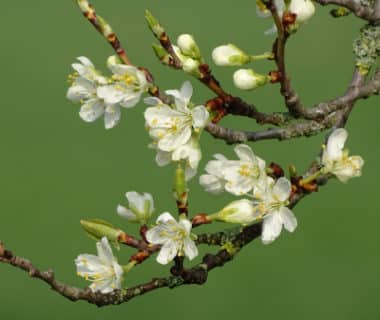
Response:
column 57, row 169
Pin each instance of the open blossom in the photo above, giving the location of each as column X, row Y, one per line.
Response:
column 141, row 207
column 103, row 269
column 100, row 96
column 263, row 12
column 85, row 88
column 175, row 238
column 235, row 176
column 175, row 129
column 335, row 159
column 271, row 204
column 128, row 84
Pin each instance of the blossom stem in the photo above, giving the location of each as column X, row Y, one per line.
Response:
column 180, row 190
column 128, row 267
column 310, row 178
column 264, row 56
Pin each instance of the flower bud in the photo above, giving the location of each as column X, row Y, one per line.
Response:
column 240, row 211
column 140, row 208
column 191, row 66
column 304, row 9
column 247, row 79
column 229, row 55
column 153, row 24
column 98, row 229
column 161, row 53
column 188, row 46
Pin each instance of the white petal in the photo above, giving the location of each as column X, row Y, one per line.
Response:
column 126, row 213
column 280, row 6
column 154, row 235
column 271, row 31
column 163, row 158
column 136, row 201
column 335, row 144
column 81, row 89
column 167, row 253
column 186, row 91
column 111, row 94
column 190, row 173
column 186, row 224
column 161, row 116
column 165, row 218
column 190, row 249
column 85, row 61
column 172, row 141
column 200, row 117
column 112, row 116
column 122, row 69
column 130, row 99
column 282, row 189
column 152, row 101
column 148, row 201
column 245, row 153
column 104, row 251
column 211, row 183
column 272, row 227
column 288, row 219
column 91, row 110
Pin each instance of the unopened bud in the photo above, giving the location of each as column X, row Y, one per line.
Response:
column 98, row 229
column 191, row 66
column 188, row 46
column 229, row 55
column 247, row 79
column 240, row 211
column 153, row 24
column 304, row 9
column 161, row 53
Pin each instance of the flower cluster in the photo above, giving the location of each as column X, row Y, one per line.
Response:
column 99, row 95
column 173, row 238
column 176, row 128
column 247, row 176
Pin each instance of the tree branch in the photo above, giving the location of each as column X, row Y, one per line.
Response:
column 361, row 11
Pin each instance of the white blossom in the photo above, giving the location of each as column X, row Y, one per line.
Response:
column 304, row 10
column 263, row 12
column 335, row 159
column 86, row 87
column 235, row 176
column 103, row 269
column 141, row 207
column 229, row 55
column 128, row 84
column 247, row 79
column 175, row 129
column 271, row 204
column 175, row 238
